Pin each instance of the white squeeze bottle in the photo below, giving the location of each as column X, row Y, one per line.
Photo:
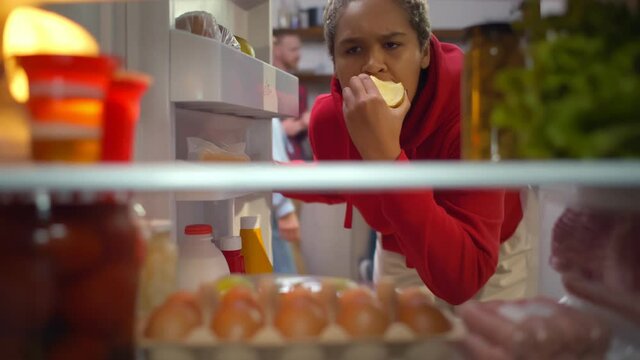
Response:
column 199, row 260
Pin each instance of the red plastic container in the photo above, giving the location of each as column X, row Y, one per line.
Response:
column 121, row 112
column 66, row 105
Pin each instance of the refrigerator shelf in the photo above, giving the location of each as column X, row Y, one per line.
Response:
column 355, row 176
column 210, row 195
column 207, row 75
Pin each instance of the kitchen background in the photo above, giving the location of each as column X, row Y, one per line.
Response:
column 321, row 225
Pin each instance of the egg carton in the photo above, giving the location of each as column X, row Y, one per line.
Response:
column 433, row 350
column 437, row 348
column 398, row 341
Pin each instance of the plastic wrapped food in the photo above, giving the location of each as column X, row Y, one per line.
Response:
column 199, row 23
column 227, row 38
column 595, row 238
column 532, row 329
column 579, row 241
column 202, row 150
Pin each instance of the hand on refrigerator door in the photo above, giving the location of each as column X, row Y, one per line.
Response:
column 289, row 227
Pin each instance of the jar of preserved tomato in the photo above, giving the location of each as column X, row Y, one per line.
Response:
column 70, row 267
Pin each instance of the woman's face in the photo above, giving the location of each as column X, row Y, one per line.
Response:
column 375, row 37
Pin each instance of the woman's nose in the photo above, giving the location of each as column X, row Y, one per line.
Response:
column 374, row 63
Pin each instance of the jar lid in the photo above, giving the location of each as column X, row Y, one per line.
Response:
column 198, row 229
column 231, row 243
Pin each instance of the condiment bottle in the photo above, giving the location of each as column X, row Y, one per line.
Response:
column 253, row 249
column 231, row 247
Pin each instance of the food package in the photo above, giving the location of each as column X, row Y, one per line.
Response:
column 199, row 23
column 204, row 24
column 595, row 249
column 532, row 329
column 202, row 150
column 227, row 38
column 271, row 315
column 596, row 237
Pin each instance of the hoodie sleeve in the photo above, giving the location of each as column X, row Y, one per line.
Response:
column 319, row 117
column 452, row 238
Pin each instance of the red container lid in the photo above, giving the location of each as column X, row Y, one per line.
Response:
column 93, row 70
column 198, row 229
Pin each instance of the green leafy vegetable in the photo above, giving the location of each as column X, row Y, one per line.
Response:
column 580, row 98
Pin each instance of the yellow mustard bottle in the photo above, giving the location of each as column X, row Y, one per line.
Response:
column 256, row 260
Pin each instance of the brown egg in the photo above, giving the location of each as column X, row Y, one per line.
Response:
column 187, row 299
column 175, row 318
column 416, row 311
column 361, row 315
column 238, row 316
column 300, row 315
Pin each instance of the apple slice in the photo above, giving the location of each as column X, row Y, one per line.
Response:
column 392, row 93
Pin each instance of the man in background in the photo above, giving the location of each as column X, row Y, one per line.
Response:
column 284, row 219
column 290, row 142
column 286, row 56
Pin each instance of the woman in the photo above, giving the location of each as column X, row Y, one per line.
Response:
column 451, row 238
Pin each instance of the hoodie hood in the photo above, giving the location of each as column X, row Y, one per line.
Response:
column 436, row 104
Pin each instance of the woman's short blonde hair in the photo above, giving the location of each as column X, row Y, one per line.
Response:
column 417, row 11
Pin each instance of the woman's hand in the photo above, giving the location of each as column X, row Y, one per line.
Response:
column 373, row 126
column 289, row 227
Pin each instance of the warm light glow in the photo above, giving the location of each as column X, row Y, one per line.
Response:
column 31, row 31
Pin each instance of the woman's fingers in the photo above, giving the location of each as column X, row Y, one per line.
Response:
column 368, row 85
column 347, row 98
column 357, row 87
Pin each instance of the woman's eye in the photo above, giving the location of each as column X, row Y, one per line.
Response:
column 391, row 45
column 353, row 50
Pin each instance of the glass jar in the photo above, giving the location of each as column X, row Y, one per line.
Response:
column 69, row 276
column 158, row 274
column 491, row 48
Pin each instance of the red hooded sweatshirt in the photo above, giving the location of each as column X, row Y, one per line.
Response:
column 452, row 238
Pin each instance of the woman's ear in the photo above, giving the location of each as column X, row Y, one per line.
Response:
column 426, row 58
